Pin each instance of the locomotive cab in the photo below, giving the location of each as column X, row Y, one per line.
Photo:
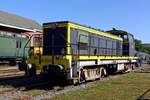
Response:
column 128, row 41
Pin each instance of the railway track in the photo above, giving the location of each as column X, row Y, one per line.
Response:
column 19, row 85
column 9, row 71
column 59, row 90
column 26, row 84
column 11, row 74
column 16, row 86
column 144, row 69
column 49, row 90
column 25, row 87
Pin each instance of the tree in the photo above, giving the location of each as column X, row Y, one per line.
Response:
column 140, row 47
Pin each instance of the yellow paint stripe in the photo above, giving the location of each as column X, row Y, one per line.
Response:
column 95, row 31
column 100, row 57
column 68, row 39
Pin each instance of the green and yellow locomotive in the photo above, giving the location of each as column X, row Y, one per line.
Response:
column 79, row 53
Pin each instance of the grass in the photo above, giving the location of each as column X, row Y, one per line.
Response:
column 126, row 87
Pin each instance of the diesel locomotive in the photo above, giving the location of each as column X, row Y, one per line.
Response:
column 79, row 53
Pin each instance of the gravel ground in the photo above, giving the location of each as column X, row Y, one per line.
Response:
column 144, row 68
column 38, row 94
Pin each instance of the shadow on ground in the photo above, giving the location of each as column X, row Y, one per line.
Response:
column 28, row 83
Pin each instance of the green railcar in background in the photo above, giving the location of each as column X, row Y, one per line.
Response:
column 12, row 47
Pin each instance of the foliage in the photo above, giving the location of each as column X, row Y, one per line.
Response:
column 139, row 46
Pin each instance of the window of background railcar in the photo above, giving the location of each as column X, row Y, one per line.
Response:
column 1, row 33
column 4, row 33
column 20, row 45
column 17, row 44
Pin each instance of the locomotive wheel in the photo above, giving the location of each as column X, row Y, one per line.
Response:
column 30, row 70
column 103, row 72
column 129, row 68
column 82, row 76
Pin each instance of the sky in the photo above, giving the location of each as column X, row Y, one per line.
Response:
column 132, row 16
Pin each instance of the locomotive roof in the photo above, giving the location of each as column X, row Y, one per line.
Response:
column 18, row 22
column 115, row 31
column 87, row 28
column 59, row 22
